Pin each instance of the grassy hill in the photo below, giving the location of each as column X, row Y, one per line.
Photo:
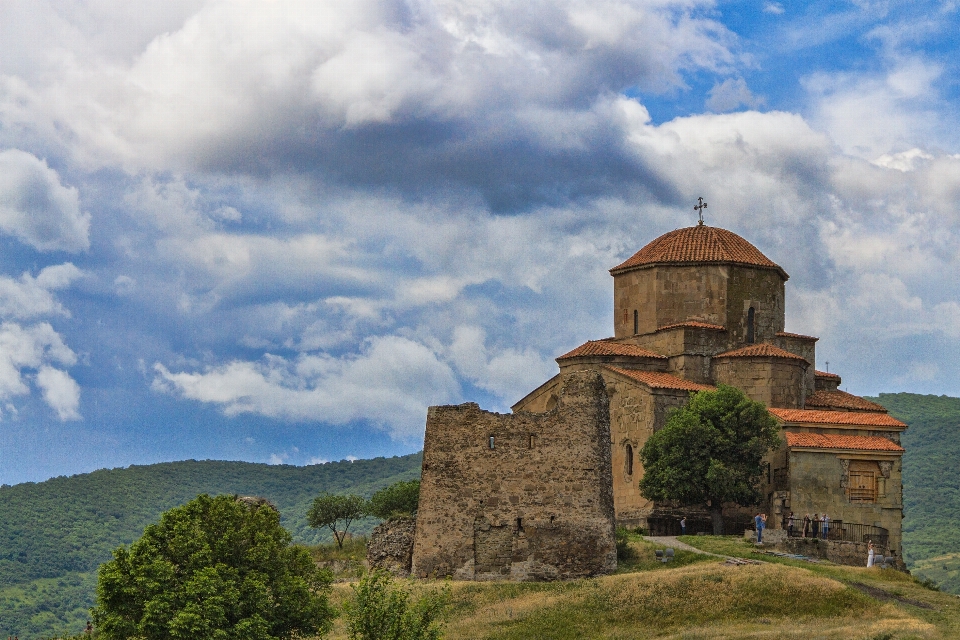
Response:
column 54, row 534
column 931, row 479
column 703, row 597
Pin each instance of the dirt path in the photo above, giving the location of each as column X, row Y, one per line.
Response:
column 671, row 541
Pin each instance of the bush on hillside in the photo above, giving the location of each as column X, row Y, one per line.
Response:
column 212, row 568
column 398, row 500
column 382, row 610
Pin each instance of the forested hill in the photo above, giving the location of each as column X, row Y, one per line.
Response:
column 931, row 484
column 72, row 524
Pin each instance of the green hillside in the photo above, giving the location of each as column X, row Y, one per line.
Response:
column 931, row 484
column 54, row 534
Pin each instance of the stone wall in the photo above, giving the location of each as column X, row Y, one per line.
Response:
column 536, row 505
column 718, row 294
column 776, row 382
column 391, row 546
column 818, row 485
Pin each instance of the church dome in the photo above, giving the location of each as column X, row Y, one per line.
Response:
column 699, row 245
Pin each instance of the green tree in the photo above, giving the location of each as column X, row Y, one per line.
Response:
column 335, row 511
column 381, row 610
column 214, row 568
column 710, row 452
column 399, row 499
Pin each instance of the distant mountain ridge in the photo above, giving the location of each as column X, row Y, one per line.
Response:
column 54, row 534
column 931, row 484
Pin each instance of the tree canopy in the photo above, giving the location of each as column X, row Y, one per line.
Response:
column 399, row 499
column 710, row 452
column 214, row 568
column 336, row 512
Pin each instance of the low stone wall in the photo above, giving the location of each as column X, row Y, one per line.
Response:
column 852, row 554
column 391, row 546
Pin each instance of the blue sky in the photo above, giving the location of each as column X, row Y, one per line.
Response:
column 277, row 231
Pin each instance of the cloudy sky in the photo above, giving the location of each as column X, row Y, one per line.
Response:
column 277, row 231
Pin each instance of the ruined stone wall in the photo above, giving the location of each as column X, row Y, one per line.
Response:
column 818, row 484
column 391, row 546
column 776, row 382
column 536, row 506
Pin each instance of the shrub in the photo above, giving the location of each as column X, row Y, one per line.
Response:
column 399, row 499
column 624, row 551
column 212, row 568
column 381, row 610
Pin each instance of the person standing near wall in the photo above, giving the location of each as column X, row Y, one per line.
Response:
column 806, row 525
column 870, row 553
column 826, row 526
column 816, row 525
column 683, row 526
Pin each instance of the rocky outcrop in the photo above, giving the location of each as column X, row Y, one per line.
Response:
column 391, row 546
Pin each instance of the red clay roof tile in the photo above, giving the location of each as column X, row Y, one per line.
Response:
column 855, row 418
column 762, row 350
column 830, row 441
column 824, row 374
column 693, row 324
column 841, row 400
column 660, row 380
column 701, row 245
column 799, row 336
column 608, row 348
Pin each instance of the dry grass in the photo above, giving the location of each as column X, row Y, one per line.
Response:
column 700, row 598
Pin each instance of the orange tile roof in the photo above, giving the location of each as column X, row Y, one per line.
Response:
column 702, row 245
column 842, row 400
column 762, row 350
column 855, row 418
column 799, row 336
column 824, row 374
column 829, row 441
column 660, row 380
column 609, row 348
column 693, row 324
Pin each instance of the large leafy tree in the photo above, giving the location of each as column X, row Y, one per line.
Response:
column 214, row 568
column 337, row 513
column 710, row 452
column 398, row 500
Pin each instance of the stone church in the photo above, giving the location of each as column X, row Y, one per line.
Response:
column 535, row 494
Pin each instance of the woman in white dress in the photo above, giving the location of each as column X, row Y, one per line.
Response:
column 870, row 553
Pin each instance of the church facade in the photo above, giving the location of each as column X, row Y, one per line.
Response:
column 696, row 307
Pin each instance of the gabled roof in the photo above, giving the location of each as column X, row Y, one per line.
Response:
column 798, row 336
column 854, row 418
column 609, row 348
column 830, row 441
column 699, row 245
column 841, row 400
column 692, row 324
column 762, row 350
column 660, row 380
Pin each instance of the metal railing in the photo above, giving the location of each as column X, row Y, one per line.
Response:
column 670, row 525
column 840, row 531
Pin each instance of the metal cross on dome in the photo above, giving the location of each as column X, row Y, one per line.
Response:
column 699, row 209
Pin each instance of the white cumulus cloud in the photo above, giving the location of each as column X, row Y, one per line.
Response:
column 37, row 208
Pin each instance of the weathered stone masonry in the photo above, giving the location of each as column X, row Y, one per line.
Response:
column 523, row 497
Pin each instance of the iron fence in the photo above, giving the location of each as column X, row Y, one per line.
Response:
column 670, row 525
column 840, row 531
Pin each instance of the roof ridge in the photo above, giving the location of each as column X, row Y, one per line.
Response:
column 761, row 349
column 661, row 379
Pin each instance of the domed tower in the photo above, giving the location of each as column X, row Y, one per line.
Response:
column 700, row 274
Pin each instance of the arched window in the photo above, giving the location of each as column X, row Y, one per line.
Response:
column 629, row 460
column 751, row 331
column 636, row 322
